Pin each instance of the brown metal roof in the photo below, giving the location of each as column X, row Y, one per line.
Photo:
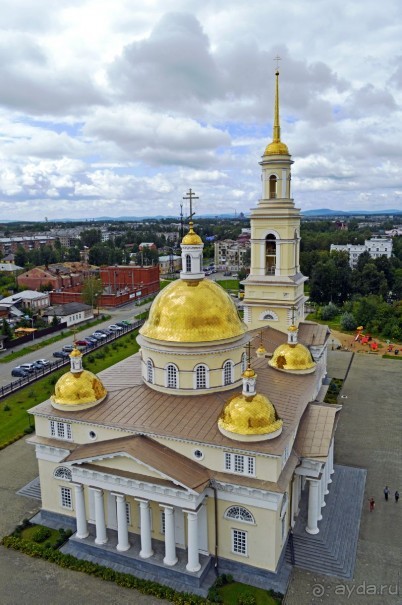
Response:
column 316, row 430
column 312, row 334
column 175, row 466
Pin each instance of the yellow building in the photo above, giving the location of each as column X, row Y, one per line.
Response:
column 274, row 290
column 192, row 454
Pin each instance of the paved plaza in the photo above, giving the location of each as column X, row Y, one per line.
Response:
column 369, row 435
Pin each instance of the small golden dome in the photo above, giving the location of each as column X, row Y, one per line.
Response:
column 75, row 353
column 292, row 328
column 249, row 373
column 261, row 351
column 249, row 418
column 78, row 391
column 191, row 238
column 276, row 148
column 198, row 311
column 292, row 358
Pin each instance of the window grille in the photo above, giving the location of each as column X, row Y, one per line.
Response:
column 62, row 472
column 171, row 376
column 239, row 541
column 228, row 372
column 66, row 498
column 201, row 377
column 240, row 514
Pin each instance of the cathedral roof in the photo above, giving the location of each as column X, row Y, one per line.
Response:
column 198, row 311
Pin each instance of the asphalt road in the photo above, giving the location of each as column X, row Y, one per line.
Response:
column 126, row 312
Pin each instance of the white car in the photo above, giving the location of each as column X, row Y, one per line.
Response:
column 99, row 335
column 42, row 362
column 115, row 328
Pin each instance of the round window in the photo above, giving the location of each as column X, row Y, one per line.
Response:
column 198, row 454
column 92, row 435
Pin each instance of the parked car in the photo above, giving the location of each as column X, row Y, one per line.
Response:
column 92, row 340
column 121, row 324
column 115, row 328
column 99, row 335
column 126, row 322
column 28, row 367
column 227, row 273
column 37, row 366
column 19, row 372
column 83, row 343
column 68, row 348
column 42, row 362
column 61, row 354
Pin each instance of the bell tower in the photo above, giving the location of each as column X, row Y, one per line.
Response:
column 275, row 285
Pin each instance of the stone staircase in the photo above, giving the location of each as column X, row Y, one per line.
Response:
column 31, row 490
column 333, row 550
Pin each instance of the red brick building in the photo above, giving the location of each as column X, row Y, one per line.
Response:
column 56, row 276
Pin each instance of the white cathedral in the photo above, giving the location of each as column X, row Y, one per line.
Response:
column 193, row 453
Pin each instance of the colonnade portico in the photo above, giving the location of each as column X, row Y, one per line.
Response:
column 318, row 489
column 123, row 543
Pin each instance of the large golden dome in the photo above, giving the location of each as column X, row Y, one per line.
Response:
column 198, row 311
column 292, row 358
column 249, row 419
column 77, row 391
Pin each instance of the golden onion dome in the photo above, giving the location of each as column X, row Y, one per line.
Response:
column 249, row 373
column 198, row 311
column 292, row 358
column 276, row 148
column 77, row 391
column 75, row 353
column 249, row 419
column 191, row 238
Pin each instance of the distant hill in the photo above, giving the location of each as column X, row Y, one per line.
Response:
column 330, row 212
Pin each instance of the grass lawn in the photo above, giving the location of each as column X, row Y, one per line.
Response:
column 13, row 409
column 231, row 592
column 29, row 534
column 333, row 324
column 229, row 284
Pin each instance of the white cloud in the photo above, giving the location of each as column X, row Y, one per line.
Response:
column 117, row 108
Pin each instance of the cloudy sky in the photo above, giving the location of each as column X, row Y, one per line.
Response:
column 116, row 108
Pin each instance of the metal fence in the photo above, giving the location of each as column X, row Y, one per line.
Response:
column 60, row 363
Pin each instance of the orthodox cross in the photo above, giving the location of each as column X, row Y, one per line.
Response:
column 181, row 222
column 293, row 309
column 277, row 59
column 74, row 331
column 190, row 196
column 248, row 349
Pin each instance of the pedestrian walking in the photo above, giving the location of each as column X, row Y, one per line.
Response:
column 371, row 504
column 386, row 493
column 396, row 496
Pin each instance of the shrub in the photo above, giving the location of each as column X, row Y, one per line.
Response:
column 348, row 321
column 41, row 534
column 329, row 311
column 28, row 430
column 6, row 408
column 246, row 599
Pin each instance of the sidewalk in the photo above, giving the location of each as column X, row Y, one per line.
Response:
column 368, row 436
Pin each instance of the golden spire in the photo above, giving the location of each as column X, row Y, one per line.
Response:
column 276, row 147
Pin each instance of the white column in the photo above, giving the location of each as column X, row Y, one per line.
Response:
column 170, row 540
column 331, row 458
column 193, row 563
column 122, row 526
column 322, row 489
column 101, row 537
column 294, row 501
column 145, row 520
column 312, row 516
column 326, row 477
column 82, row 526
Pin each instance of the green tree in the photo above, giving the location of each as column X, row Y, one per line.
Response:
column 348, row 322
column 91, row 291
column 90, row 237
column 6, row 329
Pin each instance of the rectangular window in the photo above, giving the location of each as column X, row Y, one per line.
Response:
column 61, row 430
column 163, row 522
column 128, row 513
column 239, row 464
column 65, row 497
column 239, row 542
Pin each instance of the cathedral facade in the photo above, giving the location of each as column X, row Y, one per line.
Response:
column 192, row 454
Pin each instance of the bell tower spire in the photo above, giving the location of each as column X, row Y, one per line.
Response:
column 275, row 284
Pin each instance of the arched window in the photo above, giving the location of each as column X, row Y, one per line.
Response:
column 296, row 252
column 243, row 363
column 240, row 514
column 171, row 376
column 188, row 263
column 62, row 472
column 270, row 254
column 228, row 372
column 150, row 371
column 201, row 377
column 272, row 186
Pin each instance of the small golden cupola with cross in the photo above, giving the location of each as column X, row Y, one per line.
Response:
column 249, row 416
column 292, row 356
